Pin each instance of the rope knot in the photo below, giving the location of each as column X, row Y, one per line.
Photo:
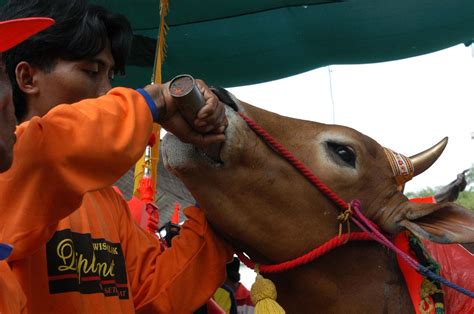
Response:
column 344, row 217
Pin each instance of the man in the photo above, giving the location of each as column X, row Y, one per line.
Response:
column 12, row 32
column 76, row 246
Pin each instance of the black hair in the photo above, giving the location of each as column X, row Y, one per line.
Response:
column 232, row 269
column 81, row 31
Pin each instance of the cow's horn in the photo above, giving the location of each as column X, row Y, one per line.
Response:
column 425, row 159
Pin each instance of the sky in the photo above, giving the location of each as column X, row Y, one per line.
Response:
column 406, row 105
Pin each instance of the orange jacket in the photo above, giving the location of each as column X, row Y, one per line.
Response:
column 12, row 298
column 75, row 245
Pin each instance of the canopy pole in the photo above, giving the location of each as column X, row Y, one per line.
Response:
column 144, row 163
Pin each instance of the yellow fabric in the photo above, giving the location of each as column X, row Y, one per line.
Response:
column 156, row 79
column 223, row 298
column 161, row 44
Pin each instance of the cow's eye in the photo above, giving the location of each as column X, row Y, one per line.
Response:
column 345, row 153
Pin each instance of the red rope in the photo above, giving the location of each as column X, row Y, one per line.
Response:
column 326, row 247
column 308, row 257
column 295, row 162
column 370, row 230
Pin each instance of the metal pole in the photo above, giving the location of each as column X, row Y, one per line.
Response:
column 332, row 96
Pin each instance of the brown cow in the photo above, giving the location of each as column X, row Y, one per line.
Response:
column 263, row 206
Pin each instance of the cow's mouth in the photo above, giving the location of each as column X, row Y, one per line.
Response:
column 213, row 152
column 212, row 156
column 178, row 155
column 181, row 156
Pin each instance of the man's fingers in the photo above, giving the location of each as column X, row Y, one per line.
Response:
column 209, row 125
column 201, row 85
column 220, row 129
column 220, row 119
column 185, row 133
column 214, row 121
column 203, row 141
column 211, row 105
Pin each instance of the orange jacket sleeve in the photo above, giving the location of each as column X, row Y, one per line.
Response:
column 183, row 277
column 71, row 150
column 12, row 298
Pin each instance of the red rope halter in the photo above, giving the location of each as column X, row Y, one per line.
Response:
column 308, row 257
column 324, row 248
column 370, row 229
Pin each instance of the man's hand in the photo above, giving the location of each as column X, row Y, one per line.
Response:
column 210, row 122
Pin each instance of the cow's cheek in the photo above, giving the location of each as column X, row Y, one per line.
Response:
column 240, row 142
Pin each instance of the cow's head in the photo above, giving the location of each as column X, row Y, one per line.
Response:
column 258, row 201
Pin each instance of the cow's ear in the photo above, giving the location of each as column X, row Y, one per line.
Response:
column 442, row 223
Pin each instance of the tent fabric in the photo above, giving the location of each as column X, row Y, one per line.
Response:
column 246, row 42
column 236, row 43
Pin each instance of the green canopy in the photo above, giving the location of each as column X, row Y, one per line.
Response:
column 241, row 42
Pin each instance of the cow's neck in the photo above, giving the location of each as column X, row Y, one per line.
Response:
column 360, row 277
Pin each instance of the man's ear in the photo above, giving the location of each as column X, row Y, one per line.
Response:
column 25, row 78
column 443, row 223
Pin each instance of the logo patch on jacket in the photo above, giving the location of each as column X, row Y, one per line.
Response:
column 78, row 262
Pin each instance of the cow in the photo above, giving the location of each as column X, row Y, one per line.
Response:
column 264, row 207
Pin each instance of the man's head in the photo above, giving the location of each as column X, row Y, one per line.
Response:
column 12, row 32
column 73, row 60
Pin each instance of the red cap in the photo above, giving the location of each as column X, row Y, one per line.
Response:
column 13, row 32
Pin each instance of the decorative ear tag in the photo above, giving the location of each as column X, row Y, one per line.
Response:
column 402, row 167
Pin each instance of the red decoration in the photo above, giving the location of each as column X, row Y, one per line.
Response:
column 152, row 140
column 175, row 217
column 145, row 188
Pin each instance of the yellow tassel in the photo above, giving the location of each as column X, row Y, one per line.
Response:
column 161, row 42
column 264, row 294
column 156, row 78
